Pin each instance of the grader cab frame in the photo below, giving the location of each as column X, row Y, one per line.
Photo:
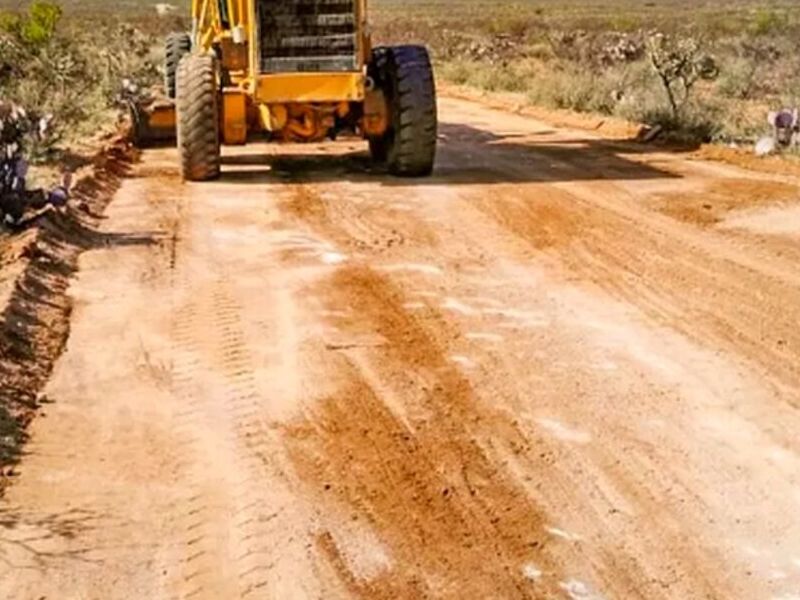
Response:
column 297, row 70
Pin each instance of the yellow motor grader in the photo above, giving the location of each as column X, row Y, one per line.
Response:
column 295, row 70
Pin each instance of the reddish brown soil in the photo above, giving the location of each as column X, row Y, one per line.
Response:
column 35, row 268
column 540, row 373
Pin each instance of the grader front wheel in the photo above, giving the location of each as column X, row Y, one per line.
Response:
column 198, row 117
column 178, row 45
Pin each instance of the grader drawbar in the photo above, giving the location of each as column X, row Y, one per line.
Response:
column 293, row 70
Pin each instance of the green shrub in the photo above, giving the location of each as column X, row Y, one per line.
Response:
column 10, row 23
column 624, row 22
column 40, row 25
column 457, row 71
column 34, row 28
column 510, row 77
column 767, row 22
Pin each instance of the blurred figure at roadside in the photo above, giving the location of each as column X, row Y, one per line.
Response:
column 785, row 124
column 15, row 197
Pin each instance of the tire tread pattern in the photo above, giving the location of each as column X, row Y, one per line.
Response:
column 412, row 151
column 178, row 45
column 198, row 117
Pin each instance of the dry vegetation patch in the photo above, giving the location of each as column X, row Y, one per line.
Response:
column 64, row 64
column 699, row 70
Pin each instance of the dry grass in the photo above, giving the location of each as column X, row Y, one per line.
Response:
column 591, row 56
column 582, row 55
column 71, row 66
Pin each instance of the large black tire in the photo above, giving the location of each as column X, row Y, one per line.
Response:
column 178, row 45
column 411, row 139
column 198, row 117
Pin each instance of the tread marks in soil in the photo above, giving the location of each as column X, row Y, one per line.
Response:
column 228, row 549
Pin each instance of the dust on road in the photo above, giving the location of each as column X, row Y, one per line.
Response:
column 537, row 374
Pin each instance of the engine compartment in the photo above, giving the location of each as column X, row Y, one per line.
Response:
column 308, row 35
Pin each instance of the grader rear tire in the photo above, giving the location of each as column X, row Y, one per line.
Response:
column 198, row 117
column 411, row 140
column 178, row 45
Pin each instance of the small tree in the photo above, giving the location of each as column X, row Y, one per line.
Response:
column 40, row 25
column 679, row 64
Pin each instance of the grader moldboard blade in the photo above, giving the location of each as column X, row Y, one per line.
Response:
column 152, row 121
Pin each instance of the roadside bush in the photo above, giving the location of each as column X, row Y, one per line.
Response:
column 34, row 28
column 48, row 66
column 696, row 122
column 39, row 26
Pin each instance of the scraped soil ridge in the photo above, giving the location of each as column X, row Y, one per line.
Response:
column 35, row 270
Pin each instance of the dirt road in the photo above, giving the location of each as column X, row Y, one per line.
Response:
column 560, row 368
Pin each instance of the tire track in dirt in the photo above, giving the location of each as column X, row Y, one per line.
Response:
column 202, row 512
column 245, row 531
column 641, row 262
column 606, row 559
column 455, row 522
column 213, row 373
column 600, row 233
column 357, row 221
column 360, row 388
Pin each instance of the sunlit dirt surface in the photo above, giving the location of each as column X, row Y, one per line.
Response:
column 548, row 371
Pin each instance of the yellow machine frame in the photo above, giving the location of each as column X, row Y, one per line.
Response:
column 300, row 106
